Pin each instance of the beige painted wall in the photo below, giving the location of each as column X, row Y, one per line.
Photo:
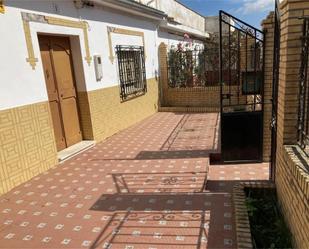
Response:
column 109, row 115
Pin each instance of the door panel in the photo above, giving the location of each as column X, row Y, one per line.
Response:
column 66, row 85
column 52, row 91
column 241, row 136
column 59, row 77
column 70, row 119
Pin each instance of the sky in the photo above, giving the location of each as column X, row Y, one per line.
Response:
column 250, row 11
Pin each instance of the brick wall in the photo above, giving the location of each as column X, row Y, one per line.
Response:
column 292, row 179
column 206, row 97
column 268, row 28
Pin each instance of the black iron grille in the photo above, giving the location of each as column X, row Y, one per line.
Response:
column 132, row 73
column 303, row 104
column 242, row 60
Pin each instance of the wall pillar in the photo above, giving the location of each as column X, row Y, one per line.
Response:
column 163, row 73
column 290, row 61
column 292, row 177
column 268, row 27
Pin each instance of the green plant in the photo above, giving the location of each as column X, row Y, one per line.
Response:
column 267, row 224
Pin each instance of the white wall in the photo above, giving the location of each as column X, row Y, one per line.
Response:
column 179, row 12
column 182, row 14
column 173, row 40
column 21, row 85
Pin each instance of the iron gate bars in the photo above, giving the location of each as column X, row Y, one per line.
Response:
column 185, row 68
column 246, row 94
column 193, row 68
column 275, row 83
column 132, row 73
column 303, row 104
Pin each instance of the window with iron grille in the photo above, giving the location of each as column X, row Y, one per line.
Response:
column 132, row 73
column 303, row 104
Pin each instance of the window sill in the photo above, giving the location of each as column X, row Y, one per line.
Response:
column 297, row 165
column 297, row 155
column 133, row 96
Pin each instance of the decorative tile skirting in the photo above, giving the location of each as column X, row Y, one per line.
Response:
column 244, row 240
column 27, row 144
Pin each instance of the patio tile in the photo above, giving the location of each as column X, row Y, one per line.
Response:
column 144, row 187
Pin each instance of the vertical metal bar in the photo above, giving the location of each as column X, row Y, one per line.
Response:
column 229, row 64
column 238, row 66
column 307, row 114
column 246, row 76
column 304, row 83
column 121, row 76
column 262, row 94
column 129, row 70
column 140, row 67
column 255, row 71
column 143, row 69
column 220, row 63
column 276, row 61
column 137, row 70
column 125, row 74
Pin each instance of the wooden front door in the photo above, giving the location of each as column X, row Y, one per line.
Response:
column 59, row 77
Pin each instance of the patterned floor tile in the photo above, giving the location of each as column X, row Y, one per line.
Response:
column 149, row 186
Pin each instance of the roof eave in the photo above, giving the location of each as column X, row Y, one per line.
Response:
column 133, row 7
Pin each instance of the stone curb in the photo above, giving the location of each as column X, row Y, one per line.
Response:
column 243, row 231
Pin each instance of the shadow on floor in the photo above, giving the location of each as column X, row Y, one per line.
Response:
column 160, row 182
column 176, row 154
column 168, row 220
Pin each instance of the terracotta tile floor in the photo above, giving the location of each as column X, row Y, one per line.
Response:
column 144, row 187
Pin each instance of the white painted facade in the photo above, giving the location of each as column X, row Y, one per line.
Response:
column 22, row 85
column 187, row 18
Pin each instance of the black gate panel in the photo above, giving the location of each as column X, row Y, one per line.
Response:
column 241, row 136
column 241, row 91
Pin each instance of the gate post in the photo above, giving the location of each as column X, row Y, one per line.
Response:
column 268, row 26
column 163, row 79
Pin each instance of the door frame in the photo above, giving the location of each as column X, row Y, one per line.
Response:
column 40, row 34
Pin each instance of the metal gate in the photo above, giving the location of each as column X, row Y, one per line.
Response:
column 241, row 80
column 275, row 84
